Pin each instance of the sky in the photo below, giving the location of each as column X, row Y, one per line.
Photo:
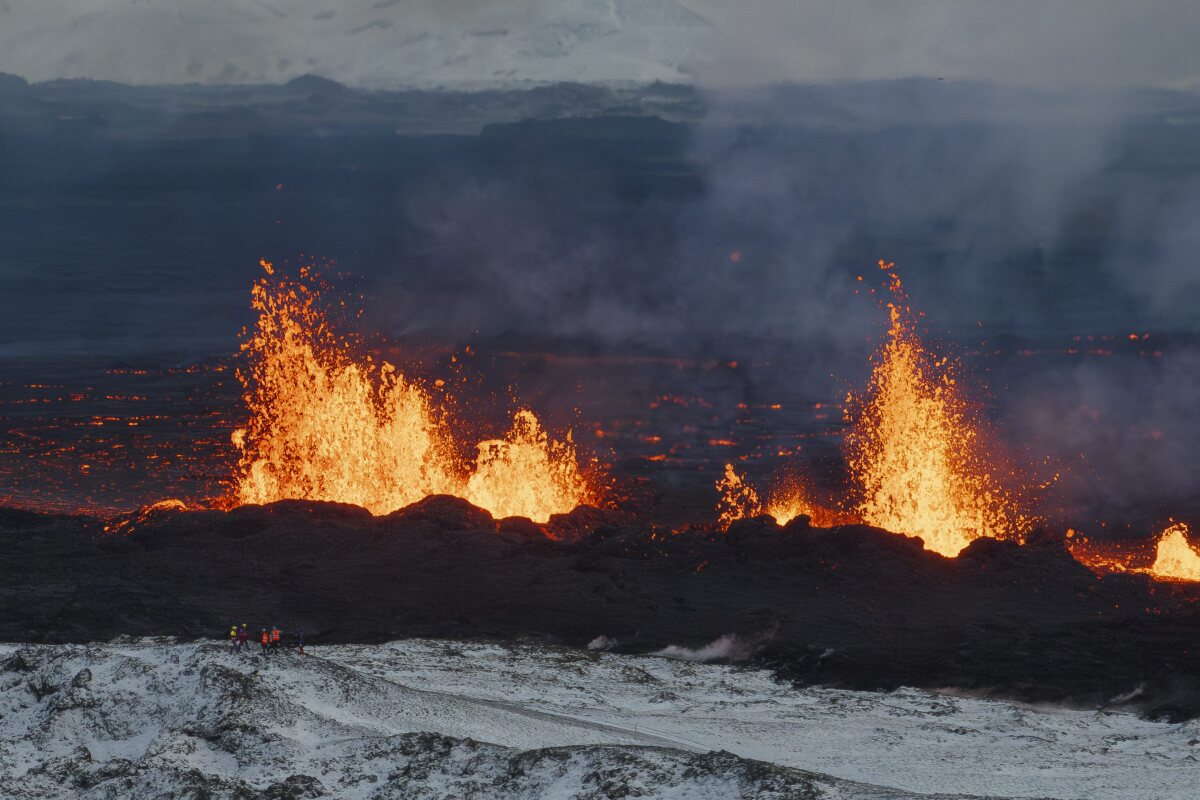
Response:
column 396, row 43
column 1049, row 43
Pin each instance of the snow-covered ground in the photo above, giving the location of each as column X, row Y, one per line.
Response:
column 367, row 43
column 441, row 719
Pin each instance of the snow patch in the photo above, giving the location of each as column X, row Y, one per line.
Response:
column 429, row 718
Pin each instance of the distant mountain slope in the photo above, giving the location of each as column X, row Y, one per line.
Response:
column 365, row 43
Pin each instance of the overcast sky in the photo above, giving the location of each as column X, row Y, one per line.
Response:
column 1034, row 42
column 392, row 43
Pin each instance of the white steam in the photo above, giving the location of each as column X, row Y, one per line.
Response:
column 729, row 647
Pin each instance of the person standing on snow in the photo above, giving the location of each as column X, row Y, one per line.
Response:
column 300, row 641
column 233, row 638
column 276, row 635
column 244, row 638
column 266, row 641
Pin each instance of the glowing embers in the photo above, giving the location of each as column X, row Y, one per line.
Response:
column 916, row 447
column 1174, row 557
column 326, row 425
column 788, row 500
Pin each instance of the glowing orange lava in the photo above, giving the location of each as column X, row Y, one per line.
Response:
column 325, row 425
column 916, row 449
column 526, row 474
column 739, row 500
column 1175, row 558
column 126, row 523
column 736, row 499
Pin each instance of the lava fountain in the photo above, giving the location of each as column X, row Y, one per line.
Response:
column 327, row 425
column 526, row 473
column 1174, row 557
column 916, row 449
column 786, row 501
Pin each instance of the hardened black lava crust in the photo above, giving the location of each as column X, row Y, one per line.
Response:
column 854, row 606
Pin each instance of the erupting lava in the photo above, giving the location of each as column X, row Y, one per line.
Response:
column 915, row 452
column 915, row 449
column 325, row 425
column 739, row 500
column 526, row 472
column 1169, row 558
column 1174, row 556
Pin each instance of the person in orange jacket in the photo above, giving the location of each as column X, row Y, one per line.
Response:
column 266, row 641
column 276, row 636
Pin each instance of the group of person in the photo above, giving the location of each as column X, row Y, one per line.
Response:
column 271, row 640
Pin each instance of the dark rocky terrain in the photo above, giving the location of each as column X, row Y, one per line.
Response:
column 853, row 606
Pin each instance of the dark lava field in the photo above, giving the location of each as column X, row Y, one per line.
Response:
column 853, row 606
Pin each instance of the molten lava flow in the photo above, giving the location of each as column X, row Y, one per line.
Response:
column 526, row 474
column 1174, row 556
column 739, row 500
column 327, row 426
column 915, row 448
column 126, row 523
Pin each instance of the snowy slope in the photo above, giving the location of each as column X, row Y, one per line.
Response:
column 433, row 719
column 907, row 739
column 365, row 43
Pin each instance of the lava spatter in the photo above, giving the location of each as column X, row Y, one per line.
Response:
column 325, row 424
column 785, row 502
column 1174, row 556
column 916, row 447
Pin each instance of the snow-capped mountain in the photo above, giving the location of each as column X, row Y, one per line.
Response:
column 364, row 43
column 433, row 719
